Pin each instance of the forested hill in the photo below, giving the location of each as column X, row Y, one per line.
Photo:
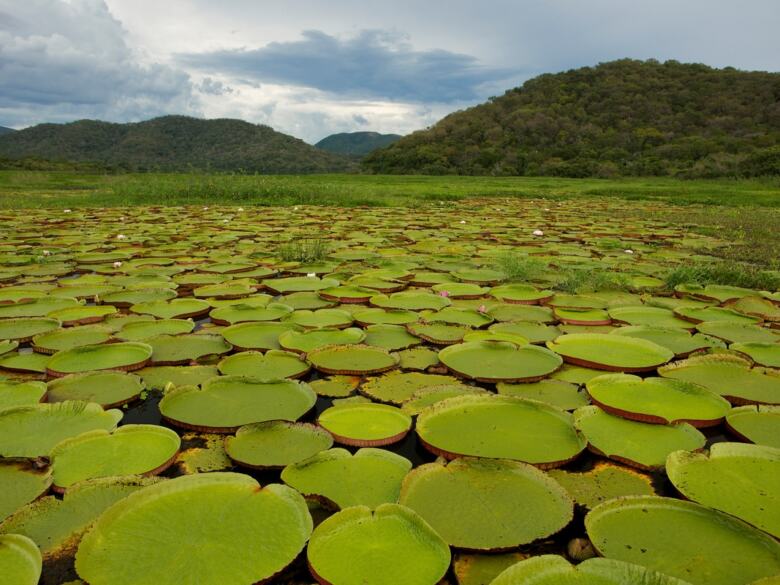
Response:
column 356, row 143
column 172, row 143
column 4, row 130
column 624, row 117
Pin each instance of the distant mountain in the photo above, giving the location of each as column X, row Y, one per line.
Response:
column 172, row 143
column 620, row 118
column 356, row 143
column 4, row 130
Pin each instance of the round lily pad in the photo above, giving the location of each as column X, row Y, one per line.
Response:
column 738, row 332
column 430, row 395
column 108, row 388
column 679, row 341
column 272, row 365
column 730, row 376
column 460, row 290
column 256, row 335
column 242, row 518
column 174, row 309
column 500, row 427
column 347, row 294
column 246, row 312
column 366, row 424
column 531, row 331
column 762, row 354
column 523, row 294
column 418, row 358
column 335, row 386
column 356, row 360
column 299, row 284
column 577, row 316
column 339, row 479
column 756, row 424
column 358, row 545
column 129, row 450
column 126, row 356
column 169, row 350
column 61, row 339
column 605, row 481
column 508, row 312
column 644, row 315
column 6, row 346
column 83, row 314
column 499, row 361
column 20, row 484
column 158, row 377
column 14, row 393
column 735, row 478
column 397, row 387
column 24, row 329
column 33, row 431
column 309, row 340
column 390, row 337
column 275, row 444
column 462, row 499
column 25, row 363
column 701, row 314
column 563, row 395
column 20, row 560
column 142, row 330
column 657, row 400
column 634, row 443
column 375, row 316
column 224, row 403
column 682, row 539
column 320, row 318
column 603, row 351
column 556, row 570
column 439, row 333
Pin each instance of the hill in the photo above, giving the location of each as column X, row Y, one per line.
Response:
column 172, row 143
column 4, row 130
column 620, row 118
column 356, row 143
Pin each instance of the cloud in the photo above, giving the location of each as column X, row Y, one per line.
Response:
column 372, row 64
column 65, row 60
column 213, row 87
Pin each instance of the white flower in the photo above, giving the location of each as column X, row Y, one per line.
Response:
column 121, row 237
column 462, row 221
column 295, row 208
column 46, row 253
column 66, row 211
column 225, row 221
column 122, row 218
column 628, row 251
column 312, row 275
column 117, row 264
column 538, row 232
column 205, row 208
column 547, row 209
column 241, row 209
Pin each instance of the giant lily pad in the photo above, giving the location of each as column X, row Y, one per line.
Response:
column 680, row 341
column 20, row 560
column 500, row 427
column 158, row 377
column 438, row 333
column 20, row 484
column 142, row 330
column 564, row 395
column 109, row 388
column 762, row 354
column 610, row 352
column 181, row 349
column 356, row 360
column 224, row 403
column 499, row 361
column 397, row 387
column 683, row 540
column 644, row 315
column 23, row 330
column 657, row 400
column 735, row 478
column 242, row 518
column 33, row 431
column 309, row 340
column 635, row 443
column 83, row 314
column 174, row 309
column 366, row 424
column 62, row 339
column 523, row 294
column 20, row 393
column 272, row 365
column 464, row 500
column 339, row 479
column 357, row 546
column 390, row 337
column 555, row 570
column 377, row 316
column 129, row 450
column 256, row 335
column 738, row 332
column 757, row 424
column 276, row 443
column 729, row 376
column 605, row 481
column 126, row 356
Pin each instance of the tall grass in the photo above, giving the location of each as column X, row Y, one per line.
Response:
column 728, row 273
column 303, row 250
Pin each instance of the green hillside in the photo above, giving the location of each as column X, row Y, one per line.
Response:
column 356, row 143
column 172, row 143
column 622, row 118
column 4, row 130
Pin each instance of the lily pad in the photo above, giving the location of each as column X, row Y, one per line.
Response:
column 679, row 341
column 128, row 450
column 25, row 363
column 83, row 314
column 418, row 358
column 126, row 356
column 647, row 316
column 657, row 400
column 275, row 444
column 256, row 335
column 24, row 329
column 523, row 294
column 390, row 337
column 62, row 339
column 683, row 540
column 606, row 481
column 356, row 360
column 339, row 479
column 108, row 388
column 20, row 484
column 309, row 340
column 756, row 424
column 481, row 504
column 531, row 331
column 365, row 424
column 20, row 560
column 638, row 444
column 397, row 387
column 142, row 330
column 33, row 431
column 14, row 394
column 335, row 386
column 224, row 403
column 430, row 395
column 241, row 517
column 502, row 427
column 603, row 351
column 439, row 333
column 762, row 354
column 499, row 361
column 735, row 478
column 174, row 309
column 357, row 546
column 563, row 395
column 738, row 332
column 272, row 365
column 169, row 350
column 158, row 377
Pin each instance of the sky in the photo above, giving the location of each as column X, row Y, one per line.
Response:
column 312, row 68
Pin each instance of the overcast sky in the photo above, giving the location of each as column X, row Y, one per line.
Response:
column 313, row 67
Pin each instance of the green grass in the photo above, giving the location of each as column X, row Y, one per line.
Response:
column 728, row 273
column 304, row 250
column 60, row 189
